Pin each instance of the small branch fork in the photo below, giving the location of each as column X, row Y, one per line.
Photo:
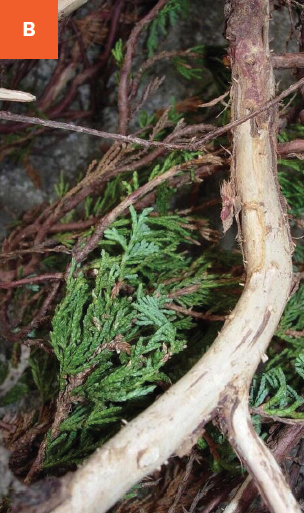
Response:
column 281, row 446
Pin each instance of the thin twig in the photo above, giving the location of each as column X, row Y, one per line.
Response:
column 201, row 493
column 38, row 249
column 150, row 62
column 37, row 343
column 197, row 315
column 184, row 291
column 32, row 279
column 9, row 116
column 268, row 105
column 295, row 333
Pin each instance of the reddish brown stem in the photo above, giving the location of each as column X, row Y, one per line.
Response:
column 292, row 147
column 288, row 60
column 33, row 279
column 196, row 315
column 197, row 145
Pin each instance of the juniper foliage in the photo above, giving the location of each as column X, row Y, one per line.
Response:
column 113, row 332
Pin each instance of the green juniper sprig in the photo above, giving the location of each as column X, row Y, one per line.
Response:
column 113, row 333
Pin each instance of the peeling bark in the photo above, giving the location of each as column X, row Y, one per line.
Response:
column 219, row 382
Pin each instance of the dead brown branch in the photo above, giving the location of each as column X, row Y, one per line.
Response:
column 291, row 148
column 33, row 279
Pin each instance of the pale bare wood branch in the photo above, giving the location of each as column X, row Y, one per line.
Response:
column 15, row 96
column 66, row 7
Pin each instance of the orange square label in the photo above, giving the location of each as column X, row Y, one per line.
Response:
column 29, row 29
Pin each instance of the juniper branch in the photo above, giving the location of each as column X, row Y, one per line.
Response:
column 81, row 254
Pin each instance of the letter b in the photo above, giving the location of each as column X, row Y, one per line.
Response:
column 28, row 28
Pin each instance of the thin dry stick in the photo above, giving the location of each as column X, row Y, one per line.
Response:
column 9, row 116
column 36, row 249
column 33, row 279
column 183, row 483
column 150, row 62
column 196, row 315
column 213, row 134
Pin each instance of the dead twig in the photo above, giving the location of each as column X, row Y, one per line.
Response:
column 150, row 62
column 213, row 134
column 9, row 116
column 196, row 315
column 291, row 148
column 33, row 279
column 183, row 483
